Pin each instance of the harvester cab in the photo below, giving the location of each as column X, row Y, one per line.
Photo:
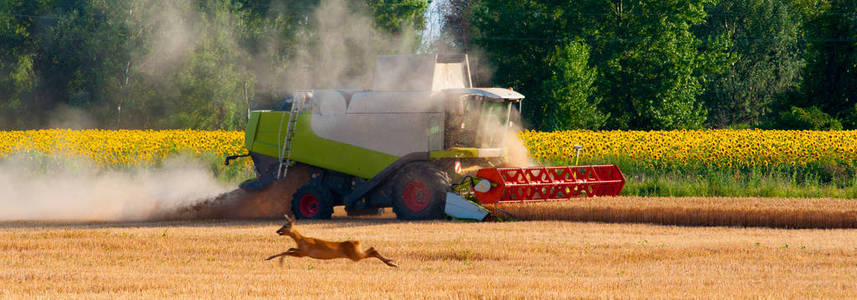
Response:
column 398, row 145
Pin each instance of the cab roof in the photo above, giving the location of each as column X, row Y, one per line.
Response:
column 496, row 94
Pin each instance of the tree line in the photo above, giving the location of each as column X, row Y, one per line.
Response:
column 671, row 64
column 592, row 64
column 180, row 64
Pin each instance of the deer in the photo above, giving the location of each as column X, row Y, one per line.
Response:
column 320, row 249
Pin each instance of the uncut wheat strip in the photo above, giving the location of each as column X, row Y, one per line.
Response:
column 697, row 211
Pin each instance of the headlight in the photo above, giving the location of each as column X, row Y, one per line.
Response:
column 483, row 186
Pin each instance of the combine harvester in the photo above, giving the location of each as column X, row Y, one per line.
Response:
column 403, row 143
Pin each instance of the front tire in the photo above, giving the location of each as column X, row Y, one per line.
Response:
column 419, row 192
column 312, row 202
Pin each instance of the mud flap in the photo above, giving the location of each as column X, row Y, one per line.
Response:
column 460, row 208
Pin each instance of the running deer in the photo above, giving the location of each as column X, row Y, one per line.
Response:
column 320, row 249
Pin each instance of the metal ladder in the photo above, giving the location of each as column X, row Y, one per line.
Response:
column 286, row 148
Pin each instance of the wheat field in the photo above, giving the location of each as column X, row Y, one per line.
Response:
column 438, row 259
column 696, row 211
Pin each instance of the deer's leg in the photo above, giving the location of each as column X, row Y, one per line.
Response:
column 374, row 253
column 277, row 255
column 290, row 252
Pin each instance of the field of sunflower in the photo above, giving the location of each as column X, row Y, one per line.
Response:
column 733, row 163
column 768, row 163
column 710, row 148
column 122, row 147
column 728, row 149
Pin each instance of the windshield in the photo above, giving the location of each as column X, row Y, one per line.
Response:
column 495, row 116
column 472, row 122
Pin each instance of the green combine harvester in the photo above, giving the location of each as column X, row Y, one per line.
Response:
column 397, row 145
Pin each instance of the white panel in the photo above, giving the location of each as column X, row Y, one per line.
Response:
column 396, row 134
column 330, row 102
column 396, row 102
column 449, row 76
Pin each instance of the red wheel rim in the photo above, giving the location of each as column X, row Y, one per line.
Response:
column 417, row 196
column 308, row 205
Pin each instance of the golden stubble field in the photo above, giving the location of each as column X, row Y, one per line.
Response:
column 696, row 211
column 536, row 259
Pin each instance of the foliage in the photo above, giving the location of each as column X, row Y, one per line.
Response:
column 808, row 119
column 213, row 83
column 153, row 64
column 570, row 100
column 650, row 67
column 395, row 15
column 653, row 65
column 831, row 72
column 517, row 38
column 763, row 64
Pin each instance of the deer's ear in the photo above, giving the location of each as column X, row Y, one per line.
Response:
column 289, row 218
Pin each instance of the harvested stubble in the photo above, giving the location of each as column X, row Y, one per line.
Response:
column 437, row 260
column 697, row 211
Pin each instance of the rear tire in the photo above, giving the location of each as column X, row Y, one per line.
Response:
column 312, row 202
column 419, row 192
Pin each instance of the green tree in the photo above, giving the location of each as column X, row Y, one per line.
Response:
column 394, row 16
column 810, row 118
column 19, row 74
column 212, row 83
column 831, row 73
column 572, row 103
column 79, row 58
column 651, row 66
column 764, row 61
column 519, row 38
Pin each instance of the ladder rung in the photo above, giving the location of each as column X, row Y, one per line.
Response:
column 286, row 152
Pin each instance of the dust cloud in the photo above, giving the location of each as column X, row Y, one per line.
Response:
column 340, row 52
column 174, row 32
column 334, row 47
column 272, row 202
column 515, row 153
column 69, row 117
column 76, row 190
column 493, row 132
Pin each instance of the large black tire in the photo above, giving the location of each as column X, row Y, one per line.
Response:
column 419, row 192
column 312, row 202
